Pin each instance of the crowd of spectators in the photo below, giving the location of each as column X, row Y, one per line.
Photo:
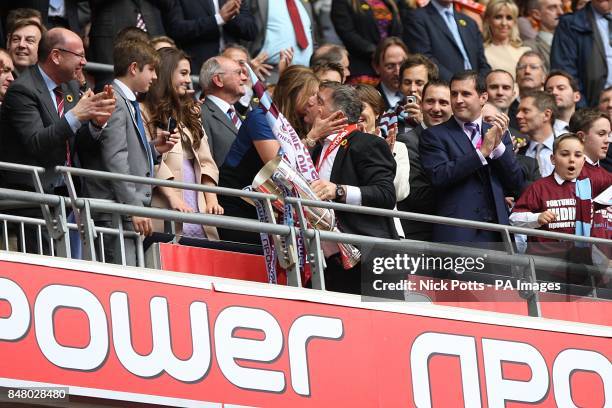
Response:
column 499, row 103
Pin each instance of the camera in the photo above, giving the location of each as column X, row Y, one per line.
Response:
column 411, row 99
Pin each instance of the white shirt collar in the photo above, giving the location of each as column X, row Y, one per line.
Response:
column 591, row 162
column 441, row 9
column 548, row 143
column 478, row 121
column 223, row 105
column 51, row 85
column 546, row 37
column 129, row 94
column 559, row 180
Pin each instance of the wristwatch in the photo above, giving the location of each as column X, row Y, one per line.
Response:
column 309, row 142
column 340, row 194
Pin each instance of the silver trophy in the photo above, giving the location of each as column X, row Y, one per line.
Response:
column 279, row 170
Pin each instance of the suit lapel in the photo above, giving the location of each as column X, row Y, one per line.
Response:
column 462, row 34
column 45, row 96
column 340, row 156
column 598, row 41
column 459, row 136
column 218, row 114
column 130, row 109
column 441, row 24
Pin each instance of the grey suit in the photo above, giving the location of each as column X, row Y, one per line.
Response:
column 539, row 45
column 120, row 150
column 220, row 130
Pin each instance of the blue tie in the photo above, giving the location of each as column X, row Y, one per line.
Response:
column 141, row 131
column 452, row 26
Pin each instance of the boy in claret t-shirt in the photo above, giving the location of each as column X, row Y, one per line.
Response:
column 560, row 202
column 593, row 127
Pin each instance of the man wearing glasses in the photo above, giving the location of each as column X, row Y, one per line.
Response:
column 530, row 77
column 43, row 116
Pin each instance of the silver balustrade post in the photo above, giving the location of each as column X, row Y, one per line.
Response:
column 87, row 230
column 120, row 241
column 62, row 237
column 313, row 251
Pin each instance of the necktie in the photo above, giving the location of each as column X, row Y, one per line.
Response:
column 59, row 100
column 231, row 112
column 298, row 27
column 142, row 134
column 538, row 151
column 140, row 22
column 474, row 130
column 452, row 26
column 609, row 18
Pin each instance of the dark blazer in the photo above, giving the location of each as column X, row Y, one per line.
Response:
column 465, row 188
column 577, row 49
column 365, row 161
column 108, row 17
column 422, row 197
column 71, row 14
column 120, row 149
column 359, row 32
column 259, row 10
column 425, row 32
column 192, row 24
column 220, row 130
column 32, row 133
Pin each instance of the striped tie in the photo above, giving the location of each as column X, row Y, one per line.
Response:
column 59, row 100
column 140, row 22
column 231, row 112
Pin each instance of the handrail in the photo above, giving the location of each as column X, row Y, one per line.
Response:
column 336, row 206
column 164, row 183
column 446, row 220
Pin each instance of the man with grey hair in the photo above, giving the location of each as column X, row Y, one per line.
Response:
column 355, row 168
column 223, row 82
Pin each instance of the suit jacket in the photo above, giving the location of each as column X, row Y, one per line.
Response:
column 465, row 188
column 421, row 198
column 425, row 32
column 121, row 150
column 365, row 161
column 220, row 130
column 32, row 133
column 173, row 169
column 108, row 17
column 259, row 10
column 70, row 11
column 192, row 24
column 539, row 45
column 359, row 32
column 577, row 48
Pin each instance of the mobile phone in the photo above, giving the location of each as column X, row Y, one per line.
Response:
column 171, row 125
column 411, row 99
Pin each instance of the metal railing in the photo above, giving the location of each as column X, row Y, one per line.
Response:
column 54, row 218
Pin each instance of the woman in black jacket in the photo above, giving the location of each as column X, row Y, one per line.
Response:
column 362, row 24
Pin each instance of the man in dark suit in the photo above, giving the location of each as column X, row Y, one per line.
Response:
column 43, row 113
column 43, row 116
column 450, row 39
column 60, row 13
column 201, row 27
column 355, row 168
column 108, row 17
column 436, row 108
column 223, row 81
column 293, row 26
column 581, row 47
column 469, row 166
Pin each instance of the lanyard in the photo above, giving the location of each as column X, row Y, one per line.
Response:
column 335, row 143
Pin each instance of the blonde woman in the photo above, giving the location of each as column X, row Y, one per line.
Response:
column 502, row 44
